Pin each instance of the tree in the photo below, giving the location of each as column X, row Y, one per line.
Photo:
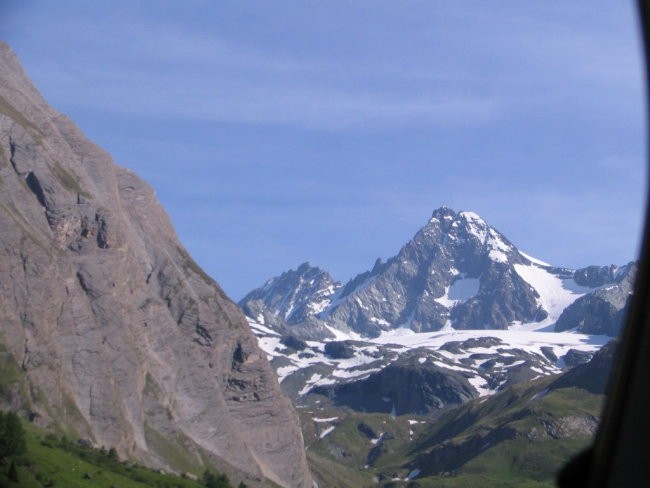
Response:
column 212, row 480
column 12, row 436
column 112, row 454
column 13, row 472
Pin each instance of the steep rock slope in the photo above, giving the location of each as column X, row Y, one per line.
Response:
column 119, row 335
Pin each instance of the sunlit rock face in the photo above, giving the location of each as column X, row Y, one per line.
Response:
column 117, row 334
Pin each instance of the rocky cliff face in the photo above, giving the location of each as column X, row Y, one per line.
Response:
column 118, row 334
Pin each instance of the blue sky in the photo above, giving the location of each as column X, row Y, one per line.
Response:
column 277, row 132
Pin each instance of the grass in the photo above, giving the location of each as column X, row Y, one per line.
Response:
column 62, row 464
column 332, row 473
column 52, row 461
column 493, row 439
column 172, row 452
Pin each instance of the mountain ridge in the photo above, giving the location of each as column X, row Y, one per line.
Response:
column 457, row 271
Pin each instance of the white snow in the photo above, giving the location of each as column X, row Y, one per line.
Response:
column 318, row 307
column 555, row 293
column 413, row 474
column 285, row 371
column 533, row 260
column 376, row 441
column 480, row 384
column 327, row 431
column 342, row 373
column 471, row 216
column 311, row 382
column 383, row 322
column 451, row 366
column 538, row 395
column 261, row 328
column 498, row 248
column 320, row 420
column 553, row 290
column 498, row 256
column 516, row 363
column 476, row 225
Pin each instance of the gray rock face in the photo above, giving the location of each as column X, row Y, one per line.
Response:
column 119, row 334
column 604, row 310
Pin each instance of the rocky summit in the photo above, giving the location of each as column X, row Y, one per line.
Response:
column 110, row 331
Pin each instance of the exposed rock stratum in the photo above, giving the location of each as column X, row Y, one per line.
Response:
column 117, row 334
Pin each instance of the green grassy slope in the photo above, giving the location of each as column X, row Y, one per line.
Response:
column 52, row 462
column 519, row 437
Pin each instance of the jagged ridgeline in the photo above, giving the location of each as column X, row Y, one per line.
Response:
column 457, row 271
column 109, row 330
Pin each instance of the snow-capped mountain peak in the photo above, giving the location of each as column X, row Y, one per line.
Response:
column 456, row 272
column 459, row 304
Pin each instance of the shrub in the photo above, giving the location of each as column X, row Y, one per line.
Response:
column 211, row 480
column 12, row 436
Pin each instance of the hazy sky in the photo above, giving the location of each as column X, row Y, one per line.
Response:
column 277, row 132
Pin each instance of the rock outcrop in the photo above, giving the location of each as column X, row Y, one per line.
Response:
column 118, row 334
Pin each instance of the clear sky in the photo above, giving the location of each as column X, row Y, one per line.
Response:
column 277, row 132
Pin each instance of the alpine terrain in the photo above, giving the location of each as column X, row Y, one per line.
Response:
column 109, row 331
column 458, row 317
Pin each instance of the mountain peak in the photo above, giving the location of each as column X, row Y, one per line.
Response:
column 294, row 295
column 443, row 213
column 471, row 216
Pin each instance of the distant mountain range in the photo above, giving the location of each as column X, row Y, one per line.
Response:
column 456, row 272
column 459, row 302
column 461, row 327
